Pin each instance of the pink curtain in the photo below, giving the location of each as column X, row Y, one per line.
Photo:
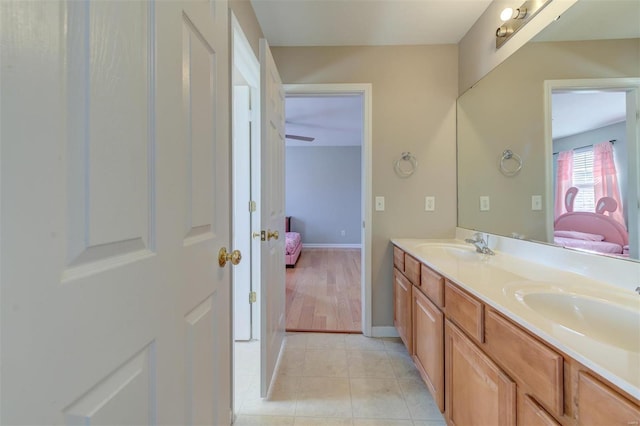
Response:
column 564, row 180
column 606, row 178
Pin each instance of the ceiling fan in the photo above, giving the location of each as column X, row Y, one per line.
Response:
column 300, row 138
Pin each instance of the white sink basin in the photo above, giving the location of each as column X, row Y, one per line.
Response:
column 448, row 250
column 597, row 319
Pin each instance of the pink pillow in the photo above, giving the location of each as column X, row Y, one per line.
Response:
column 578, row 235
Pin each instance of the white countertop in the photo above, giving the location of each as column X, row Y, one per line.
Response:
column 498, row 280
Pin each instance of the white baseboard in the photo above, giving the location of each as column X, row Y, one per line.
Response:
column 311, row 245
column 384, row 332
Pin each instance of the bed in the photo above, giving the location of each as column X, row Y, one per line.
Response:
column 596, row 232
column 293, row 244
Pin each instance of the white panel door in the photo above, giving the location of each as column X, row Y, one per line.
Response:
column 272, row 216
column 115, row 201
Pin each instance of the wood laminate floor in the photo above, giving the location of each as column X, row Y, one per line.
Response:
column 323, row 291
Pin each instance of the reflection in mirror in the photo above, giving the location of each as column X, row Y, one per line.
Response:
column 508, row 107
column 591, row 163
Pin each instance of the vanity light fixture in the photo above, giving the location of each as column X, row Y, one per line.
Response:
column 514, row 19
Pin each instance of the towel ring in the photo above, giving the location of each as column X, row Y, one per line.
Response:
column 405, row 170
column 507, row 154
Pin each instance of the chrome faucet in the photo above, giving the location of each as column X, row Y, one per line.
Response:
column 638, row 289
column 482, row 245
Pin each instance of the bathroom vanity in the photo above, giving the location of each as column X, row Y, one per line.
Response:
column 500, row 340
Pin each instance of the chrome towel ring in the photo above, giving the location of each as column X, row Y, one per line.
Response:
column 405, row 165
column 512, row 170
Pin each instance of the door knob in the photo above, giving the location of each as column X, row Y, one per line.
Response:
column 272, row 234
column 223, row 257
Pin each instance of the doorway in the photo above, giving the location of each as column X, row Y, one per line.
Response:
column 362, row 92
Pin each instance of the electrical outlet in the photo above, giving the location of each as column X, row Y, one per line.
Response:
column 429, row 203
column 484, row 203
column 536, row 202
column 343, row 233
column 379, row 204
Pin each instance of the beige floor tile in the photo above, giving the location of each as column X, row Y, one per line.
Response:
column 292, row 362
column 324, row 397
column 394, row 344
column 281, row 400
column 378, row 398
column 245, row 420
column 369, row 364
column 402, row 365
column 295, row 340
column 325, row 363
column 381, row 422
column 419, row 400
column 322, row 421
column 429, row 423
column 325, row 341
column 358, row 341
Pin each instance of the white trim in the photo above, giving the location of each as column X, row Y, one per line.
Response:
column 366, row 90
column 386, row 331
column 330, row 245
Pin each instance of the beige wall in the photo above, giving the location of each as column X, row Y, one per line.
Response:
column 414, row 100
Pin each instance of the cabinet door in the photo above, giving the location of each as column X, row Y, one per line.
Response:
column 600, row 405
column 402, row 307
column 428, row 345
column 477, row 392
column 532, row 414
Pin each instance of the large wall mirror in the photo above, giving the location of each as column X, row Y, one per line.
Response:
column 573, row 88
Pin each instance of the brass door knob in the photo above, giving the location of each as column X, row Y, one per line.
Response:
column 223, row 257
column 272, row 234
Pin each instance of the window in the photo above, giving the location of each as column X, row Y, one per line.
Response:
column 583, row 180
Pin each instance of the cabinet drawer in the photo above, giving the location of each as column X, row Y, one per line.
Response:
column 533, row 414
column 534, row 365
column 464, row 310
column 412, row 269
column 398, row 258
column 432, row 284
column 600, row 405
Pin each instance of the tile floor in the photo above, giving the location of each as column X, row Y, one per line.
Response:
column 334, row 379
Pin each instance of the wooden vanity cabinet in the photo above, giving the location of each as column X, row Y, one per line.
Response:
column 428, row 344
column 402, row 308
column 600, row 405
column 530, row 413
column 477, row 391
column 532, row 364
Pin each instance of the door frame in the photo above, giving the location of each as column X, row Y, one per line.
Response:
column 244, row 58
column 366, row 91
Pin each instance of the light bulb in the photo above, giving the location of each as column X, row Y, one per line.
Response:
column 506, row 14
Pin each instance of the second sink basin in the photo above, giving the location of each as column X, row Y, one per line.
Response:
column 597, row 319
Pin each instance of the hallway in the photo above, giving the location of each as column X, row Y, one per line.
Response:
column 335, row 379
column 324, row 291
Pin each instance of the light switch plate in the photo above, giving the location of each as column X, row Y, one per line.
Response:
column 429, row 203
column 484, row 203
column 379, row 204
column 536, row 202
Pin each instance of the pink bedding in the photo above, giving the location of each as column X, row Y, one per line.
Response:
column 597, row 246
column 292, row 242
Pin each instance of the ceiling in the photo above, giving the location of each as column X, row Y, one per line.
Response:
column 331, row 120
column 580, row 111
column 366, row 22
